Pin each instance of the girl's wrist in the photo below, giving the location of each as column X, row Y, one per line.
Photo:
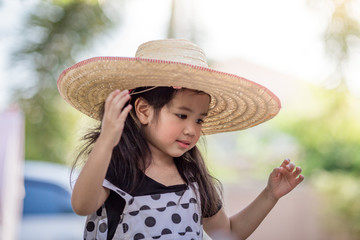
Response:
column 269, row 195
column 105, row 143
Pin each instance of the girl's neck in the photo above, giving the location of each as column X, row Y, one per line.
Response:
column 162, row 162
column 160, row 159
column 162, row 169
column 164, row 172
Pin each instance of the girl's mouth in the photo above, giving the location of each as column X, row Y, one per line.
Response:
column 183, row 144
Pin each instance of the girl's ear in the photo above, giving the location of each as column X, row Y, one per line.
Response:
column 143, row 110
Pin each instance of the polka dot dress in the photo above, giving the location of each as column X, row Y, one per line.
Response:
column 172, row 215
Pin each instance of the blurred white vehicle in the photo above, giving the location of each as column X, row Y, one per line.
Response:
column 47, row 212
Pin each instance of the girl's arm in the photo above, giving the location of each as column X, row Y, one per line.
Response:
column 281, row 181
column 89, row 194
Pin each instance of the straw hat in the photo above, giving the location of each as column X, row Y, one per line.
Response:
column 236, row 103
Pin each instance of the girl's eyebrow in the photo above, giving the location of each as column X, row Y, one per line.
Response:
column 190, row 110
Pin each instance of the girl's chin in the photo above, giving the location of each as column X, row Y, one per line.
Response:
column 178, row 154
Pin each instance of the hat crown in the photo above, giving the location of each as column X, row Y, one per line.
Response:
column 175, row 50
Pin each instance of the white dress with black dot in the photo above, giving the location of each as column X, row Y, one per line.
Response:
column 171, row 215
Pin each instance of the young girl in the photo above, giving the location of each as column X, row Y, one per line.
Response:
column 144, row 177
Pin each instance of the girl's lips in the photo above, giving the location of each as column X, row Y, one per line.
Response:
column 183, row 144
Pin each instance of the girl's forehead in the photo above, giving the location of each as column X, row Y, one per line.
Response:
column 191, row 98
column 191, row 92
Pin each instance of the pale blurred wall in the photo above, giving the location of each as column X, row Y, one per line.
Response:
column 11, row 172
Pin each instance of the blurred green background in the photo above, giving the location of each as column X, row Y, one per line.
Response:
column 318, row 127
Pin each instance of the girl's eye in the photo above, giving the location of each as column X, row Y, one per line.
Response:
column 182, row 116
column 199, row 121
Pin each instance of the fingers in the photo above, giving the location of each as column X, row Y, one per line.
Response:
column 124, row 113
column 115, row 102
column 299, row 179
column 275, row 173
column 285, row 163
column 110, row 98
column 297, row 175
column 297, row 171
column 288, row 167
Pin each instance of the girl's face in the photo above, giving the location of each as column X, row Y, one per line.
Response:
column 177, row 128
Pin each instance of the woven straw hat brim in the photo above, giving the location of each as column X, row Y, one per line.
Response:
column 236, row 103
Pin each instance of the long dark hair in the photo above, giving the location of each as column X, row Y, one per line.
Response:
column 128, row 160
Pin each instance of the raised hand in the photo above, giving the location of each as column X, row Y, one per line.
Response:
column 283, row 179
column 114, row 116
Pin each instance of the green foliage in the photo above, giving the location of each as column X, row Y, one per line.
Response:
column 53, row 34
column 330, row 137
column 342, row 194
column 70, row 2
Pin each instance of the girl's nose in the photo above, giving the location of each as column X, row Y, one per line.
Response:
column 190, row 129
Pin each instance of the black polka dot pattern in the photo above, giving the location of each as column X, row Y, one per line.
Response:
column 103, row 227
column 192, row 200
column 134, row 213
column 156, row 196
column 161, row 209
column 195, row 217
column 99, row 212
column 180, row 193
column 170, row 215
column 166, row 231
column 125, row 227
column 170, row 204
column 150, row 221
column 90, row 226
column 145, row 207
column 185, row 205
column 176, row 218
column 121, row 192
column 139, row 236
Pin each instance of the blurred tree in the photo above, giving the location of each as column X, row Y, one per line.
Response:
column 55, row 31
column 343, row 28
column 330, row 139
column 342, row 31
